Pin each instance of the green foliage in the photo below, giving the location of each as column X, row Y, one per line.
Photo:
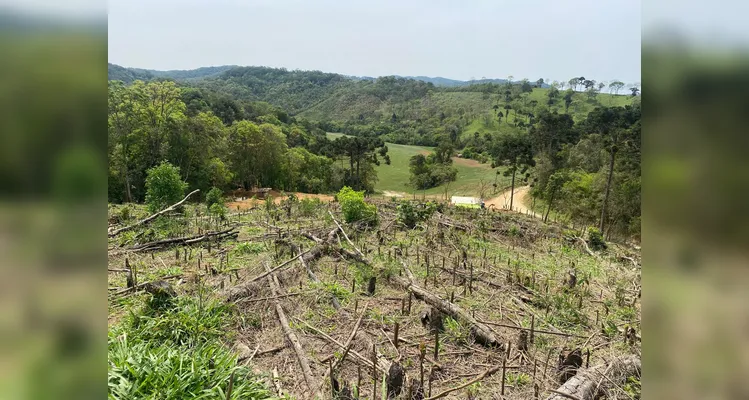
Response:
column 633, row 387
column 355, row 209
column 249, row 248
column 595, row 239
column 214, row 196
column 310, row 206
column 175, row 352
column 164, row 186
column 456, row 331
column 411, row 213
column 517, row 379
column 188, row 322
column 125, row 213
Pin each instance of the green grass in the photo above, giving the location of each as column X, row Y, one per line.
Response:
column 394, row 177
column 174, row 350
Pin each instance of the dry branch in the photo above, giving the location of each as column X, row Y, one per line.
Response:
column 382, row 364
column 483, row 375
column 143, row 285
column 345, row 235
column 152, row 217
column 587, row 383
column 185, row 240
column 306, row 371
column 481, row 332
column 242, row 290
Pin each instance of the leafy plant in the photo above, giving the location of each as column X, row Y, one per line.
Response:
column 456, row 331
column 309, row 207
column 354, row 207
column 164, row 186
column 214, row 196
column 595, row 239
column 517, row 378
column 410, row 213
column 249, row 248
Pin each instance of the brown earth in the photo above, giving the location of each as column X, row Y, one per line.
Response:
column 248, row 203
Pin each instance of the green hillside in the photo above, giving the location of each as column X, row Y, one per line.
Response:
column 395, row 177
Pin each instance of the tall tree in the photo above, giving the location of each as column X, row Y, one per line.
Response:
column 516, row 151
column 614, row 125
column 615, row 86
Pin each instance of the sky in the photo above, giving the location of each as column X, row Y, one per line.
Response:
column 550, row 39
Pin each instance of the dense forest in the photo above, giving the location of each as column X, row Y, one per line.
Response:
column 576, row 143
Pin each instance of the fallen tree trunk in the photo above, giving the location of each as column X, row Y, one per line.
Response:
column 243, row 290
column 481, row 332
column 382, row 363
column 151, row 217
column 185, row 240
column 275, row 288
column 311, row 256
column 589, row 383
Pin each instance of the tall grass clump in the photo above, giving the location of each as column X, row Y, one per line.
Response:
column 176, row 352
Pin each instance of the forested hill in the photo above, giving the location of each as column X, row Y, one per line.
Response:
column 397, row 109
column 128, row 75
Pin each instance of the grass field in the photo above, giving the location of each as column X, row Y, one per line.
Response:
column 394, row 177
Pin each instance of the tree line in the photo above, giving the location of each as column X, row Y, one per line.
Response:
column 215, row 141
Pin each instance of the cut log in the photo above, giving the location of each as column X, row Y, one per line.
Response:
column 159, row 244
column 150, row 218
column 592, row 382
column 243, row 290
column 301, row 357
column 309, row 257
column 481, row 332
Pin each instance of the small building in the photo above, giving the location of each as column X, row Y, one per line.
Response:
column 260, row 193
column 473, row 202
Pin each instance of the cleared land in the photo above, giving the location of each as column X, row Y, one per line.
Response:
column 532, row 288
column 394, row 177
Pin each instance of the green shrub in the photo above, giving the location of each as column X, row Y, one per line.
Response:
column 155, row 370
column 595, row 239
column 218, row 210
column 214, row 196
column 354, row 207
column 164, row 186
column 308, row 207
column 249, row 248
column 125, row 213
column 410, row 213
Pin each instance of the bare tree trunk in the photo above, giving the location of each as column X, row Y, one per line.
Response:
column 588, row 383
column 512, row 187
column 608, row 190
column 548, row 209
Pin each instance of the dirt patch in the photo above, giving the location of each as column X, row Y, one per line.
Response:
column 467, row 162
column 519, row 202
column 390, row 193
column 247, row 203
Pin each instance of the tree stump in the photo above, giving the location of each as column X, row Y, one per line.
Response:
column 568, row 365
column 371, row 286
column 395, row 380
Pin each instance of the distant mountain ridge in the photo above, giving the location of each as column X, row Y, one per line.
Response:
column 204, row 72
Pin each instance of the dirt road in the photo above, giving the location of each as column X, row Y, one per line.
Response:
column 520, row 200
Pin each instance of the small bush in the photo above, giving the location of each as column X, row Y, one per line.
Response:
column 458, row 332
column 354, row 207
column 125, row 213
column 164, row 186
column 218, row 210
column 249, row 248
column 214, row 196
column 410, row 214
column 309, row 207
column 595, row 239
